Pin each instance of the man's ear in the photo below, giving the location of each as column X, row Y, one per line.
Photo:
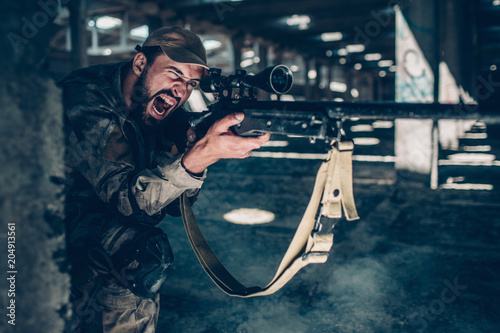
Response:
column 139, row 63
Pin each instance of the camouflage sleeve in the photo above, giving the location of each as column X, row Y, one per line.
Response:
column 99, row 150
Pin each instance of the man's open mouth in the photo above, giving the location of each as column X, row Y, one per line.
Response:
column 163, row 104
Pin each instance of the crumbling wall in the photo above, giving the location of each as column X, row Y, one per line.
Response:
column 33, row 285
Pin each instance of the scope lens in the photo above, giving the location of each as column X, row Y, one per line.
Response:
column 281, row 79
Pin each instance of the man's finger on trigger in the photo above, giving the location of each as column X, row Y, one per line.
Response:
column 263, row 138
column 191, row 134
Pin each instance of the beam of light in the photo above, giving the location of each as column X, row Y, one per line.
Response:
column 245, row 63
column 107, row 22
column 275, row 144
column 249, row 216
column 248, row 54
column 338, row 86
column 477, row 148
column 331, row 36
column 295, row 156
column 211, row 44
column 362, row 128
column 354, row 92
column 465, row 157
column 383, row 124
column 302, row 21
column 474, row 136
column 312, row 156
column 366, row 141
column 287, row 97
column 470, row 163
column 373, row 181
column 374, row 158
column 312, row 74
column 143, row 32
column 385, row 63
column 481, row 187
column 355, row 48
column 373, row 56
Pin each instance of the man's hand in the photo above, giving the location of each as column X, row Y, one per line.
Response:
column 221, row 143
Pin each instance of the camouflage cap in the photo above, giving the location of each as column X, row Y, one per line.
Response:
column 179, row 44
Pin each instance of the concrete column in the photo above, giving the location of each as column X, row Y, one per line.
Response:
column 417, row 56
column 434, row 51
column 263, row 49
column 317, row 81
column 35, row 297
column 263, row 56
column 348, row 74
column 237, row 40
column 329, row 93
column 456, row 71
column 77, row 22
column 278, row 55
column 457, row 45
column 307, row 81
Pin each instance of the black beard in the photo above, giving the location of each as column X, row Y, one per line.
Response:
column 141, row 96
column 140, row 99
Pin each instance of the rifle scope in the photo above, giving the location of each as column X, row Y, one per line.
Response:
column 274, row 79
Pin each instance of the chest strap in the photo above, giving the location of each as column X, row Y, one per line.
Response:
column 313, row 239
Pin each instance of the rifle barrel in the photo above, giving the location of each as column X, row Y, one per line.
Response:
column 489, row 113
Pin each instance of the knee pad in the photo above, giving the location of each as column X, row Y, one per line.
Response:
column 153, row 257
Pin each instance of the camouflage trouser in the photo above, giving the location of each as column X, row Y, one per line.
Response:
column 113, row 309
column 104, row 304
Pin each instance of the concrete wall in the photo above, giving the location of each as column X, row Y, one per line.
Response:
column 32, row 175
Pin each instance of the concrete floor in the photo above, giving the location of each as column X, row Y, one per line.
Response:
column 417, row 261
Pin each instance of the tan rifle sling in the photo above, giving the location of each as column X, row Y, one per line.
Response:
column 332, row 194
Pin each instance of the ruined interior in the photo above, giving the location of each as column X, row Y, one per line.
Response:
column 424, row 255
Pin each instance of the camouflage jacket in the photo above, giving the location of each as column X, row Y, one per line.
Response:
column 112, row 164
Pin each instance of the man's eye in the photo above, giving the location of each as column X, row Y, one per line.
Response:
column 193, row 83
column 173, row 74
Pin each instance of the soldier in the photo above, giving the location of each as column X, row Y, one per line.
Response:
column 127, row 167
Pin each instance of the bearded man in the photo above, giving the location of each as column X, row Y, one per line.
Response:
column 127, row 166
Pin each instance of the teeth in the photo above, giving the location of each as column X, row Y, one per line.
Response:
column 156, row 110
column 169, row 102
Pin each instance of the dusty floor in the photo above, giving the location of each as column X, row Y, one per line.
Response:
column 417, row 261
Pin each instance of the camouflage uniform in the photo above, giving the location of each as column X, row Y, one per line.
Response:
column 118, row 175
